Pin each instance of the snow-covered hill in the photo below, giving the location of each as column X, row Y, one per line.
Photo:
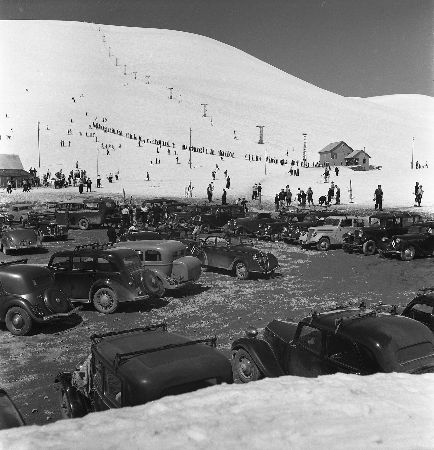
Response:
column 71, row 77
column 340, row 411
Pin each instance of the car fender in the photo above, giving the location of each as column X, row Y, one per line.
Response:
column 77, row 402
column 262, row 354
column 15, row 300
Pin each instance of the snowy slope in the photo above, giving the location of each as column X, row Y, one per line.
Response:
column 64, row 75
column 340, row 411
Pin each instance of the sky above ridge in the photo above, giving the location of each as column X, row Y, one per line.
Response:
column 351, row 47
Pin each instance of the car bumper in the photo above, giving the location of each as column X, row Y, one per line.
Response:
column 352, row 248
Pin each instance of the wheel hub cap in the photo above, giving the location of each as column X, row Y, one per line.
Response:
column 18, row 321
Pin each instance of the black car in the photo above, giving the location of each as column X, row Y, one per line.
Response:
column 382, row 226
column 218, row 215
column 133, row 367
column 29, row 295
column 48, row 224
column 250, row 224
column 10, row 417
column 101, row 275
column 418, row 241
column 348, row 340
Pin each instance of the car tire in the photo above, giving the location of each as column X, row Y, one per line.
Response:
column 241, row 271
column 18, row 321
column 83, row 224
column 408, row 253
column 153, row 285
column 65, row 405
column 244, row 368
column 369, row 248
column 105, row 300
column 323, row 244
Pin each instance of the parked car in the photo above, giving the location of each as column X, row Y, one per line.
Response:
column 296, row 229
column 331, row 233
column 28, row 295
column 140, row 236
column 234, row 255
column 101, row 275
column 349, row 340
column 217, row 216
column 19, row 239
column 133, row 367
column 272, row 231
column 168, row 262
column 418, row 241
column 250, row 224
column 48, row 224
column 421, row 308
column 91, row 213
column 18, row 212
column 381, row 225
column 10, row 417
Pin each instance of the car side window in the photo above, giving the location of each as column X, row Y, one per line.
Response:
column 82, row 263
column 152, row 255
column 60, row 263
column 310, row 338
column 113, row 387
column 104, row 265
column 346, row 223
column 422, row 313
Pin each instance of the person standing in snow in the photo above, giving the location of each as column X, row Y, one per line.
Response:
column 419, row 195
column 224, row 197
column 378, row 198
column 309, row 193
column 228, row 182
column 209, row 192
column 338, row 195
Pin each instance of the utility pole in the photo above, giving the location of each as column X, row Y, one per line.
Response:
column 170, row 96
column 412, row 153
column 304, row 149
column 204, row 109
column 97, row 162
column 116, row 63
column 190, row 150
column 261, row 133
column 351, row 193
column 39, row 150
column 125, row 69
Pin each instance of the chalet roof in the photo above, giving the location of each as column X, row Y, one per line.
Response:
column 332, row 146
column 354, row 153
column 10, row 161
column 14, row 173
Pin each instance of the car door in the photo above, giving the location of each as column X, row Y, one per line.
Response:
column 82, row 276
column 304, row 357
column 60, row 267
column 223, row 254
column 209, row 247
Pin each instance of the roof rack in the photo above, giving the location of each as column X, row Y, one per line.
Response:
column 94, row 245
column 17, row 261
column 97, row 338
column 121, row 357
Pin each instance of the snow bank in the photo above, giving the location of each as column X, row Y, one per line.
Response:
column 338, row 411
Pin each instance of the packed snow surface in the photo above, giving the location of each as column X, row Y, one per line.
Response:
column 156, row 84
column 339, row 411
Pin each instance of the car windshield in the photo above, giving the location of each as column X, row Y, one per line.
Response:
column 331, row 221
column 132, row 262
column 21, row 285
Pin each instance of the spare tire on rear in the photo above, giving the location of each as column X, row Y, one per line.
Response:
column 153, row 285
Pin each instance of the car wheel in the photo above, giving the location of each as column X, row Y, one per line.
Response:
column 18, row 321
column 105, row 300
column 241, row 271
column 239, row 231
column 369, row 248
column 153, row 285
column 323, row 244
column 83, row 224
column 65, row 406
column 244, row 367
column 408, row 253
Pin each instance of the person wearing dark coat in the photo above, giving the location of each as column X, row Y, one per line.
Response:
column 378, row 198
column 228, row 182
column 224, row 202
column 111, row 234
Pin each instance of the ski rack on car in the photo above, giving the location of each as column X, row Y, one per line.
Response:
column 122, row 357
column 97, row 338
column 17, row 261
column 94, row 245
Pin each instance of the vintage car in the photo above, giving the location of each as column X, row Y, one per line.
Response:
column 168, row 262
column 297, row 229
column 331, row 233
column 18, row 212
column 101, row 275
column 418, row 241
column 272, row 231
column 234, row 255
column 91, row 213
column 348, row 340
column 28, row 295
column 421, row 308
column 369, row 239
column 19, row 239
column 49, row 224
column 10, row 417
column 216, row 216
column 133, row 367
column 250, row 224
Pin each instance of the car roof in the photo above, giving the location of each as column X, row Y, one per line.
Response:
column 154, row 244
column 96, row 251
column 376, row 330
column 161, row 357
